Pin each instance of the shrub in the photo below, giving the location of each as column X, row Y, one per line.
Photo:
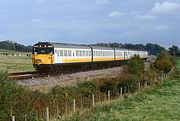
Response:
column 164, row 62
column 127, row 80
column 87, row 88
column 136, row 65
column 109, row 84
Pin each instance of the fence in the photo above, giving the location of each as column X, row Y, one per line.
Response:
column 16, row 54
column 82, row 102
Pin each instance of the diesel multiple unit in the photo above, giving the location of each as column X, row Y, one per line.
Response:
column 47, row 56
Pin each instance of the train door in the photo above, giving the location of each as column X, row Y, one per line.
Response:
column 58, row 54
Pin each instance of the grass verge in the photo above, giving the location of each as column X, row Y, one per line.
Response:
column 159, row 103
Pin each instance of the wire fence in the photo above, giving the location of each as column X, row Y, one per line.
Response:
column 83, row 102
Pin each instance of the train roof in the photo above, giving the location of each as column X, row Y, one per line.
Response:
column 80, row 46
column 63, row 45
column 66, row 45
column 100, row 48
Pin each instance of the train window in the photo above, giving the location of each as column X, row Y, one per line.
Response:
column 89, row 53
column 61, row 52
column 65, row 53
column 83, row 53
column 58, row 53
column 73, row 53
column 68, row 53
column 77, row 53
column 37, row 50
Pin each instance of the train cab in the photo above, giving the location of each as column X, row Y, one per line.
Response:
column 42, row 54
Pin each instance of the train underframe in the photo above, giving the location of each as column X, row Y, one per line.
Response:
column 76, row 67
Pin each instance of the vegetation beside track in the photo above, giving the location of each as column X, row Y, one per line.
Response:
column 17, row 101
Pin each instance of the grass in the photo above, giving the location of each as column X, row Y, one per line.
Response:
column 8, row 51
column 178, row 64
column 15, row 63
column 159, row 103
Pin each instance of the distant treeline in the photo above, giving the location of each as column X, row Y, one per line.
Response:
column 10, row 45
column 153, row 49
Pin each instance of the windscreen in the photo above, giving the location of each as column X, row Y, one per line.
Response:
column 37, row 50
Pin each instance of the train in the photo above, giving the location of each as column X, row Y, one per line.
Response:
column 48, row 57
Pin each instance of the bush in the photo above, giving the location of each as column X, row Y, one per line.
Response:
column 136, row 65
column 127, row 80
column 14, row 100
column 87, row 88
column 164, row 62
column 109, row 84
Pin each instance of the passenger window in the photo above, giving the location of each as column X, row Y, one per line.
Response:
column 76, row 53
column 61, row 52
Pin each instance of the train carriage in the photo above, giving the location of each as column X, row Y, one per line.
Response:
column 65, row 54
column 101, row 54
column 54, row 56
column 119, row 54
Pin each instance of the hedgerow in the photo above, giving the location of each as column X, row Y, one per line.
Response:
column 19, row 101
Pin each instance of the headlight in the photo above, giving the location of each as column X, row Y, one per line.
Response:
column 37, row 60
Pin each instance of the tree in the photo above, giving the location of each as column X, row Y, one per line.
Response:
column 10, row 45
column 174, row 50
column 154, row 49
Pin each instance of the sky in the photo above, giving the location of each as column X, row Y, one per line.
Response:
column 91, row 21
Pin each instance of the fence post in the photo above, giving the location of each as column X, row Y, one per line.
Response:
column 37, row 117
column 104, row 96
column 74, row 105
column 162, row 78
column 154, row 82
column 25, row 117
column 81, row 102
column 99, row 97
column 139, row 86
column 125, row 90
column 13, row 118
column 66, row 110
column 57, row 110
column 145, row 84
column 93, row 100
column 109, row 96
column 121, row 93
column 47, row 114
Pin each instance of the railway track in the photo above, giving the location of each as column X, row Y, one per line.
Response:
column 30, row 75
column 25, row 75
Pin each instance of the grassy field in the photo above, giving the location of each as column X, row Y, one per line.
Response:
column 157, row 104
column 15, row 63
column 8, row 51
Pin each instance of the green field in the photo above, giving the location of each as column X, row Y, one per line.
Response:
column 11, row 63
column 156, row 104
column 8, row 51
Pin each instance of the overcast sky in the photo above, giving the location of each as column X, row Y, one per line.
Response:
column 91, row 21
